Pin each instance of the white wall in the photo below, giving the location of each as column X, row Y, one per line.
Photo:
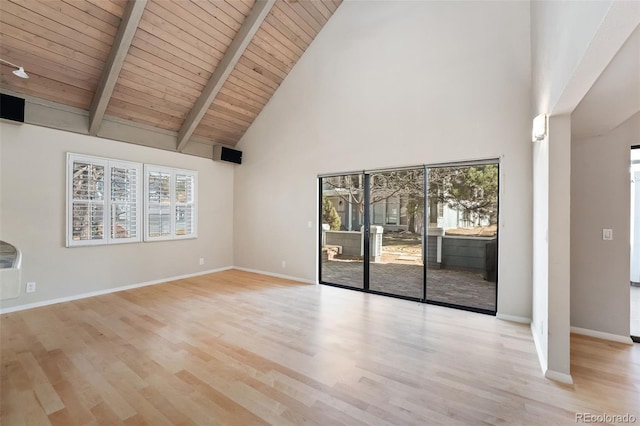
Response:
column 551, row 242
column 572, row 43
column 540, row 297
column 392, row 84
column 561, row 32
column 600, row 199
column 559, row 243
column 32, row 217
column 559, row 43
column 635, row 219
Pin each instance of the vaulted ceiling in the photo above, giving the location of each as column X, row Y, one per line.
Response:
column 614, row 97
column 201, row 70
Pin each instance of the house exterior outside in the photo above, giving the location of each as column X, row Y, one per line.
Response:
column 392, row 213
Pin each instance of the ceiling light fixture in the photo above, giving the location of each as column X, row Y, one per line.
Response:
column 19, row 72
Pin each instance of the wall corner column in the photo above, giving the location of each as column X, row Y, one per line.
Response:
column 559, row 248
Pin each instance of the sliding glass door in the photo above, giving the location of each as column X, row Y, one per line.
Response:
column 463, row 236
column 422, row 233
column 396, row 211
column 342, row 222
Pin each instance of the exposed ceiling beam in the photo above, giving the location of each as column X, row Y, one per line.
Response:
column 46, row 113
column 124, row 37
column 219, row 76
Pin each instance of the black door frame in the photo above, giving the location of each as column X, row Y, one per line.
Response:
column 636, row 339
column 366, row 230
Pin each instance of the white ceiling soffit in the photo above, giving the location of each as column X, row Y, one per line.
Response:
column 614, row 97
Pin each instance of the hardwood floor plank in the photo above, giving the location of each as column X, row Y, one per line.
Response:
column 164, row 406
column 76, row 410
column 240, row 348
column 43, row 390
column 103, row 415
column 229, row 410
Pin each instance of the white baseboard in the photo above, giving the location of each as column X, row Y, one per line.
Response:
column 107, row 291
column 271, row 274
column 541, row 356
column 559, row 377
column 513, row 318
column 601, row 335
column 548, row 373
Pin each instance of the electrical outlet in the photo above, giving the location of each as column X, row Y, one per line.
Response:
column 607, row 234
column 309, row 224
column 284, row 264
column 31, row 287
column 202, row 260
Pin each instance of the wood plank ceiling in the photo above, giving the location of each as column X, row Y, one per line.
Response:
column 69, row 48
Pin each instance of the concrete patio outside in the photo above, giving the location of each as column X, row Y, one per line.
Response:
column 443, row 285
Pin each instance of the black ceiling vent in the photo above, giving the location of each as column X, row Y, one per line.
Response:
column 11, row 108
column 222, row 153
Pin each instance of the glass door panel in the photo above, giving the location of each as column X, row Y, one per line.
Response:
column 396, row 228
column 462, row 261
column 448, row 256
column 342, row 220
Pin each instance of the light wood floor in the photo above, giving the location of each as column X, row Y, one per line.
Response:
column 239, row 348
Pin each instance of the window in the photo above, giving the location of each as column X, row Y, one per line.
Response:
column 170, row 203
column 103, row 201
column 393, row 205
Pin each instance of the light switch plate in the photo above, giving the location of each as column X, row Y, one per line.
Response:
column 607, row 234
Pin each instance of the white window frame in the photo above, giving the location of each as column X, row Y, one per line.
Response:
column 173, row 172
column 108, row 204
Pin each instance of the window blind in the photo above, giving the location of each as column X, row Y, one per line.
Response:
column 103, row 199
column 170, row 208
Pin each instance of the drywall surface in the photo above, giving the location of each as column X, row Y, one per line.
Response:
column 571, row 44
column 561, row 32
column 392, row 84
column 634, row 270
column 600, row 198
column 551, row 247
column 32, row 209
column 540, row 318
column 559, row 245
